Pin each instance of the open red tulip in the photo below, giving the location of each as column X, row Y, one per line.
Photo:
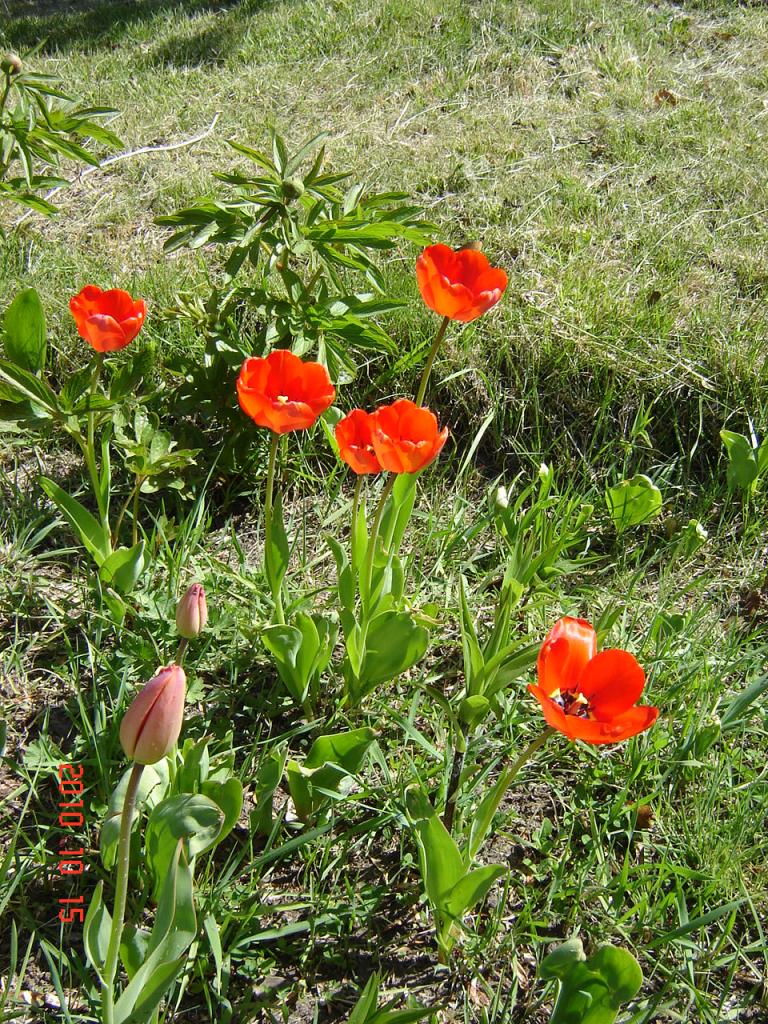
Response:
column 460, row 284
column 406, row 437
column 282, row 392
column 353, row 435
column 107, row 320
column 589, row 696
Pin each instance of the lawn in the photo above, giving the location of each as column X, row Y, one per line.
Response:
column 612, row 157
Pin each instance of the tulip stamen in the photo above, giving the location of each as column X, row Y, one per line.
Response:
column 572, row 703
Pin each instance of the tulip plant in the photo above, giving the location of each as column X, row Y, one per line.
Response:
column 96, row 420
column 192, row 801
column 583, row 694
column 303, row 230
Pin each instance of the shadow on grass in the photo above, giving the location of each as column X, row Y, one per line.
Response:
column 89, row 24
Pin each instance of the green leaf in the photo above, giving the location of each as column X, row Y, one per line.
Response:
column 301, row 651
column 23, row 386
column 267, row 780
column 473, row 656
column 473, row 710
column 442, row 866
column 123, row 568
column 134, row 948
column 398, row 511
column 393, row 644
column 471, row 889
column 743, row 468
column 193, row 818
column 152, row 788
column 228, row 796
column 96, row 931
column 276, row 562
column 633, row 502
column 734, row 714
column 25, row 331
column 94, row 538
column 174, row 929
column 328, row 769
column 591, row 990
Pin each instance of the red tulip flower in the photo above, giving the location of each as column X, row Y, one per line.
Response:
column 461, row 285
column 586, row 695
column 406, row 437
column 107, row 320
column 355, row 440
column 284, row 393
column 151, row 725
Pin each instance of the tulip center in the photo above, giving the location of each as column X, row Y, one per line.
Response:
column 282, row 399
column 573, row 703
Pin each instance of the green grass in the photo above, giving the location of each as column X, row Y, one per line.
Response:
column 632, row 331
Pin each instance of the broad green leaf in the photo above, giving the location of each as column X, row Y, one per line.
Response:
column 471, row 889
column 174, row 929
column 398, row 511
column 228, row 797
column 347, row 749
column 473, row 710
column 328, row 769
column 442, row 866
column 693, row 536
column 96, row 931
column 633, row 501
column 393, row 644
column 94, row 537
column 193, row 818
column 743, row 466
column 473, row 656
column 25, row 331
column 123, row 568
column 152, row 788
column 268, row 778
column 276, row 562
column 285, row 644
column 134, row 948
column 591, row 990
column 22, row 386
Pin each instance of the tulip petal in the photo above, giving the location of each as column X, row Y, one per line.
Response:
column 553, row 713
column 104, row 333
column 566, row 650
column 612, row 682
column 616, row 730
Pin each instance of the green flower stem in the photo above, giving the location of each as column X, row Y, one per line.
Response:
column 90, row 450
column 180, row 651
column 508, row 777
column 121, row 892
column 430, row 360
column 355, row 507
column 277, row 596
column 365, row 593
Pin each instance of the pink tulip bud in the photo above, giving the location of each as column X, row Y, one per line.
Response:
column 192, row 612
column 152, row 723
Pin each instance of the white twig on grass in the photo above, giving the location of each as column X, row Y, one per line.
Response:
column 125, row 156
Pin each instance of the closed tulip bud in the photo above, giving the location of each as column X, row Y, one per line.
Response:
column 11, row 64
column 151, row 725
column 502, row 498
column 192, row 612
